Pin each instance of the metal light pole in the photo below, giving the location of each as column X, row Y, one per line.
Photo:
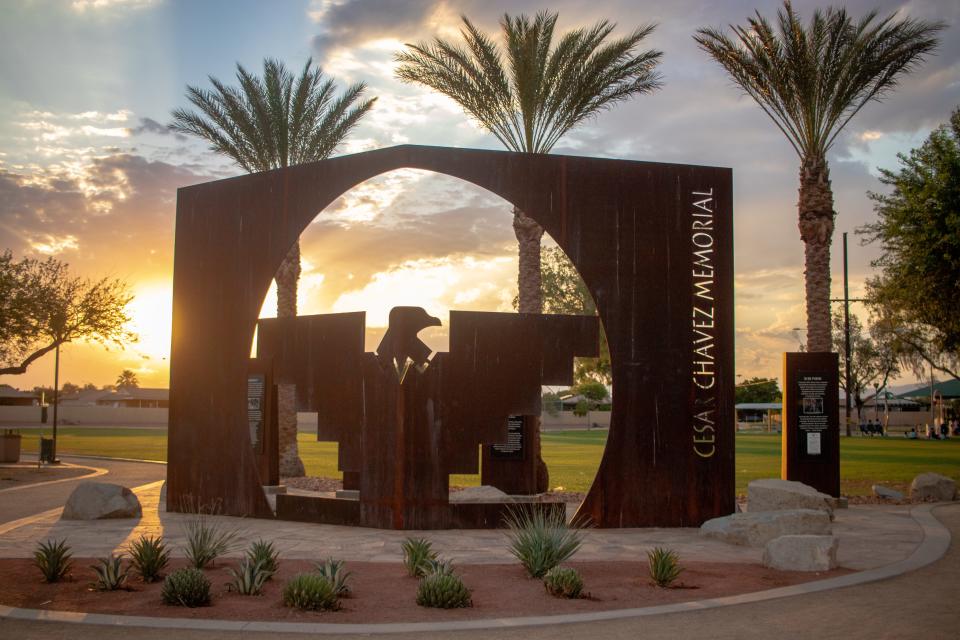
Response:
column 56, row 403
column 846, row 331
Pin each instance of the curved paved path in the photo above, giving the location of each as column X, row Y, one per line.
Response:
column 28, row 501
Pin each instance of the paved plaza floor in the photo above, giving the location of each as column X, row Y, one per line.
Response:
column 888, row 542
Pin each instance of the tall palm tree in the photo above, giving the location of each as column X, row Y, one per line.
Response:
column 268, row 122
column 811, row 81
column 530, row 92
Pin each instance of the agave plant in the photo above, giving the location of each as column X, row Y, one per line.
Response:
column 53, row 559
column 541, row 540
column 262, row 552
column 664, row 566
column 333, row 571
column 248, row 578
column 148, row 557
column 416, row 554
column 111, row 574
column 438, row 567
column 206, row 541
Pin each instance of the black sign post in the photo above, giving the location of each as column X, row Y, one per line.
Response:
column 811, row 420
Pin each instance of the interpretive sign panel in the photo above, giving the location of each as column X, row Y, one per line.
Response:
column 256, row 383
column 513, row 448
column 811, row 416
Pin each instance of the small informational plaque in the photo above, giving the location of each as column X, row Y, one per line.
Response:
column 812, row 419
column 255, row 404
column 513, row 448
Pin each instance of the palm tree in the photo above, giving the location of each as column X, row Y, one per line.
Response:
column 127, row 379
column 529, row 93
column 811, row 81
column 275, row 121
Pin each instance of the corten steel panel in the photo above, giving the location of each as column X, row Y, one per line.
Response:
column 628, row 228
column 822, row 472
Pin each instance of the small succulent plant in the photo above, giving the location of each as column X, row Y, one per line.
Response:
column 53, row 559
column 438, row 566
column 333, row 571
column 417, row 552
column 443, row 591
column 206, row 541
column 186, row 587
column 664, row 566
column 563, row 582
column 148, row 557
column 111, row 574
column 541, row 540
column 262, row 552
column 310, row 592
column 248, row 578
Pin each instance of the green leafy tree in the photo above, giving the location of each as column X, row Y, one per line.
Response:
column 757, row 390
column 872, row 360
column 272, row 121
column 43, row 307
column 811, row 81
column 127, row 380
column 918, row 231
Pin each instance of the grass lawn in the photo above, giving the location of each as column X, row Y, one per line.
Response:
column 573, row 456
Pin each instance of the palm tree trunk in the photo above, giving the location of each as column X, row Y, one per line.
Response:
column 287, row 276
column 528, row 234
column 816, row 230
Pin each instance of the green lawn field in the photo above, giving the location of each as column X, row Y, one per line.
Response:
column 573, row 456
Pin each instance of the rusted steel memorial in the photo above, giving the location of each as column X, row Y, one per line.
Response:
column 653, row 243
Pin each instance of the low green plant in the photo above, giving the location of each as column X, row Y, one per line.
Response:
column 206, row 541
column 53, row 559
column 111, row 574
column 417, row 552
column 186, row 587
column 443, row 591
column 438, row 566
column 333, row 571
column 262, row 552
column 541, row 539
column 664, row 566
column 310, row 592
column 563, row 582
column 148, row 557
column 248, row 578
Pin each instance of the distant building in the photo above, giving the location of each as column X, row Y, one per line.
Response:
column 135, row 397
column 10, row 397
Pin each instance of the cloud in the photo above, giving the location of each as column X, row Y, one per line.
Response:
column 351, row 22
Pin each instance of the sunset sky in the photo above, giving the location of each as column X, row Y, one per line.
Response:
column 89, row 171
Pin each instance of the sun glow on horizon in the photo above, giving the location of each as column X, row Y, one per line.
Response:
column 151, row 313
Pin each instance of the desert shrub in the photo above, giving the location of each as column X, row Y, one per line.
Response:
column 334, row 572
column 416, row 553
column 310, row 592
column 206, row 541
column 111, row 574
column 437, row 566
column 53, row 559
column 186, row 587
column 664, row 566
column 563, row 582
column 248, row 578
column 443, row 591
column 541, row 540
column 148, row 557
column 262, row 552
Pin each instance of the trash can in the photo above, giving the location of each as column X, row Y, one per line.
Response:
column 10, row 446
column 46, row 450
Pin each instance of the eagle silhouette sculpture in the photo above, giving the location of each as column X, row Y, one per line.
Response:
column 406, row 418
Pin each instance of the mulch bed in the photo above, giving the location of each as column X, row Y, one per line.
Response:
column 383, row 593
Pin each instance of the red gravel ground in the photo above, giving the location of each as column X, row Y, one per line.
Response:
column 383, row 593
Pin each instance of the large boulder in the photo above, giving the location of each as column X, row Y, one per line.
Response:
column 101, row 500
column 933, row 486
column 801, row 553
column 755, row 529
column 772, row 494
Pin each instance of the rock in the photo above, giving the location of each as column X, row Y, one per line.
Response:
column 755, row 529
column 933, row 486
column 484, row 493
column 100, row 500
column 885, row 492
column 801, row 553
column 771, row 494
